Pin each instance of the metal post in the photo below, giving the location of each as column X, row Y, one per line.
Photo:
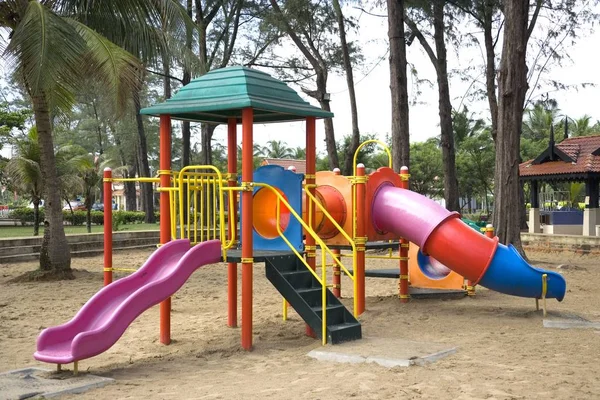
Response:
column 337, row 273
column 311, row 166
column 165, row 215
column 404, row 247
column 247, row 254
column 232, row 267
column 108, row 245
column 361, row 238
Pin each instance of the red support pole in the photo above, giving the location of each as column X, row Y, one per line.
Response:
column 165, row 215
column 361, row 237
column 232, row 182
column 403, row 252
column 108, row 245
column 247, row 178
column 310, row 178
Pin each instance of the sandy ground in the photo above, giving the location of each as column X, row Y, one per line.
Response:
column 504, row 352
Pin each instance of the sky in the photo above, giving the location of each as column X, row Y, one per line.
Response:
column 373, row 93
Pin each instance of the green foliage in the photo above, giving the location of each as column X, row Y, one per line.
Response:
column 426, row 171
column 74, row 218
column 129, row 217
column 10, row 120
column 25, row 214
column 277, row 149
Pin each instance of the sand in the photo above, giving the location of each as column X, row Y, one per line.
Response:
column 504, row 352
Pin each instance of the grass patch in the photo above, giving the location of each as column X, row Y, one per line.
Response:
column 25, row 231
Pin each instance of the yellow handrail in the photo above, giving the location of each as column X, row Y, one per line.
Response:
column 324, row 251
column 363, row 144
column 346, row 236
column 203, row 187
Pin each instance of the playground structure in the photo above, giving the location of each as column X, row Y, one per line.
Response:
column 288, row 221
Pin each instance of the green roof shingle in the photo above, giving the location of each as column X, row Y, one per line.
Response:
column 223, row 93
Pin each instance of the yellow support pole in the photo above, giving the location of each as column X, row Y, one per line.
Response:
column 544, row 291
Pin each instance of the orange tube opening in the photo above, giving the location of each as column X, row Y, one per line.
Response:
column 265, row 213
column 333, row 201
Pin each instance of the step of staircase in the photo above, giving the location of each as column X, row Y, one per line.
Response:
column 304, row 293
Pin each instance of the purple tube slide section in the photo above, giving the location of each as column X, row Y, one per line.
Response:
column 407, row 213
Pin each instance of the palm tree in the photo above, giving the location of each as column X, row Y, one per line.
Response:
column 299, row 153
column 25, row 173
column 582, row 126
column 54, row 48
column 278, row 149
column 538, row 120
column 465, row 125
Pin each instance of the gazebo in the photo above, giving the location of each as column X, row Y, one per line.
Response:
column 232, row 96
column 575, row 159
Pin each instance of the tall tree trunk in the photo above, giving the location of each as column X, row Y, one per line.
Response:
column 398, row 85
column 330, row 143
column 89, row 200
column 130, row 189
column 207, row 134
column 355, row 139
column 490, row 64
column 522, row 207
column 55, row 255
column 319, row 95
column 445, row 110
column 36, row 216
column 144, row 166
column 512, row 88
column 99, row 136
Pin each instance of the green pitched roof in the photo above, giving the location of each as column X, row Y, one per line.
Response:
column 223, row 93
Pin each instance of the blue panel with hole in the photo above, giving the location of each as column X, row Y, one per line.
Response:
column 289, row 185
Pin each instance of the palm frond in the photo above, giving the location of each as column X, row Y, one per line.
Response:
column 47, row 52
column 116, row 19
column 25, row 174
column 118, row 70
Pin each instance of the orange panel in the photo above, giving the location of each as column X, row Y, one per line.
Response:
column 335, row 190
column 419, row 279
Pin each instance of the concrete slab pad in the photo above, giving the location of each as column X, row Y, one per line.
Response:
column 387, row 352
column 568, row 320
column 570, row 324
column 37, row 382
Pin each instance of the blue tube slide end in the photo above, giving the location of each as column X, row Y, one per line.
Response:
column 509, row 273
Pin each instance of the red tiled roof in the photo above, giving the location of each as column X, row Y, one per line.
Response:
column 580, row 149
column 285, row 163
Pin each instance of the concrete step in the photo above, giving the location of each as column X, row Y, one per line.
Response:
column 77, row 246
column 87, row 237
column 5, row 259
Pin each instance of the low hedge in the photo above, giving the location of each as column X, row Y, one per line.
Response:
column 25, row 215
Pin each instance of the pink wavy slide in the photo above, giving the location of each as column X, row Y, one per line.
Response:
column 104, row 318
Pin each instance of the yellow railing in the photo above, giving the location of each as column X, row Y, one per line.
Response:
column 200, row 189
column 324, row 251
column 313, row 200
column 356, row 179
column 375, row 141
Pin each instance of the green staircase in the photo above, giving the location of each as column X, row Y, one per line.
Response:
column 304, row 293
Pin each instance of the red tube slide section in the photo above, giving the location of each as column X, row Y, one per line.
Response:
column 434, row 229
